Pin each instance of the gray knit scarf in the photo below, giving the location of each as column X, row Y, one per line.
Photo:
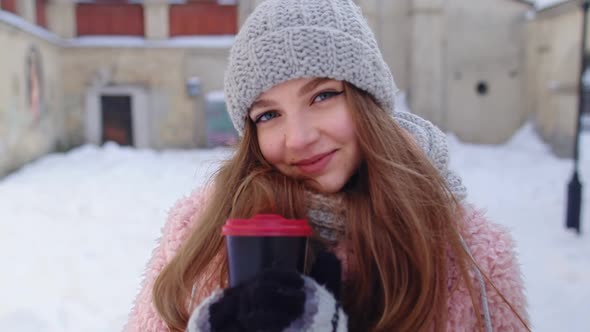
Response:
column 327, row 215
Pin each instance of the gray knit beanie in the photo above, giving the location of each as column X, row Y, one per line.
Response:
column 284, row 40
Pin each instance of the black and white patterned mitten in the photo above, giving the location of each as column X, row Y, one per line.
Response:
column 277, row 301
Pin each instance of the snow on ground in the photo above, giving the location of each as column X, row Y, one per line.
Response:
column 77, row 228
column 523, row 187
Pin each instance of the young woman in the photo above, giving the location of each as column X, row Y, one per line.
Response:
column 313, row 101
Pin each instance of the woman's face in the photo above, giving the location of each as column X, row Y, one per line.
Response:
column 305, row 128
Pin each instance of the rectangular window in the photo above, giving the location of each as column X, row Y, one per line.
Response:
column 120, row 19
column 8, row 5
column 41, row 13
column 203, row 18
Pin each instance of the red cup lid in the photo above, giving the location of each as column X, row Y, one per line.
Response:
column 266, row 225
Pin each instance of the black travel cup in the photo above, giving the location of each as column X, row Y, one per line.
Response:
column 262, row 242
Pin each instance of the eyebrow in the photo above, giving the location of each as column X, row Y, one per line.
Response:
column 307, row 88
column 261, row 103
column 311, row 85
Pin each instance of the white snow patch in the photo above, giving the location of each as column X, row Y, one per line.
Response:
column 542, row 4
column 224, row 41
column 216, row 96
column 35, row 30
column 524, row 187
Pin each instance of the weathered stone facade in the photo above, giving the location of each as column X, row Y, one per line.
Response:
column 476, row 68
column 31, row 116
column 553, row 70
column 174, row 119
column 77, row 72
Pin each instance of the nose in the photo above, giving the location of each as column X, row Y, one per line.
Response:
column 300, row 133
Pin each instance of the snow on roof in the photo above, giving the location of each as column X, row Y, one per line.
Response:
column 542, row 4
column 17, row 21
column 216, row 95
column 130, row 41
column 223, row 41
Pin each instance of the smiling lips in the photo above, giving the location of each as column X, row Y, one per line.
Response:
column 315, row 164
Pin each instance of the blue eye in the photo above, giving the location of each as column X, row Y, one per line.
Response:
column 326, row 95
column 266, row 116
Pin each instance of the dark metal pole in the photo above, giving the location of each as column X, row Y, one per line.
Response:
column 574, row 190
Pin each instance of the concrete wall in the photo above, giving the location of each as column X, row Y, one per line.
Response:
column 484, row 62
column 26, row 131
column 61, row 17
column 390, row 21
column 156, row 19
column 175, row 119
column 553, row 67
column 427, row 43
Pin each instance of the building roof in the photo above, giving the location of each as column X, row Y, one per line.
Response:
column 526, row 2
column 546, row 4
column 540, row 5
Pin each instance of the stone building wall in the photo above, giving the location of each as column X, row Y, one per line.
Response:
column 173, row 118
column 484, row 61
column 553, row 69
column 30, row 95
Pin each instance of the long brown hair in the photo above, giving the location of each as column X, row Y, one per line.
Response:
column 401, row 222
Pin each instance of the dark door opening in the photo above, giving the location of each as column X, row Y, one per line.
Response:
column 116, row 119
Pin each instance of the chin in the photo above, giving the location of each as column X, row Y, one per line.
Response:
column 328, row 187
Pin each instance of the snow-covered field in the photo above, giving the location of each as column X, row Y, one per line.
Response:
column 77, row 228
column 524, row 187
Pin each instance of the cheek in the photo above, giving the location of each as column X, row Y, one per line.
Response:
column 270, row 147
column 342, row 127
column 344, row 131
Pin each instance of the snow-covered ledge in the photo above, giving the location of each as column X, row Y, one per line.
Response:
column 20, row 23
column 138, row 42
column 222, row 41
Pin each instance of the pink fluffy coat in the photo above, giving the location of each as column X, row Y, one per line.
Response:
column 490, row 244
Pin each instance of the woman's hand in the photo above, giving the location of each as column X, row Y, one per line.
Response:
column 269, row 302
column 276, row 300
